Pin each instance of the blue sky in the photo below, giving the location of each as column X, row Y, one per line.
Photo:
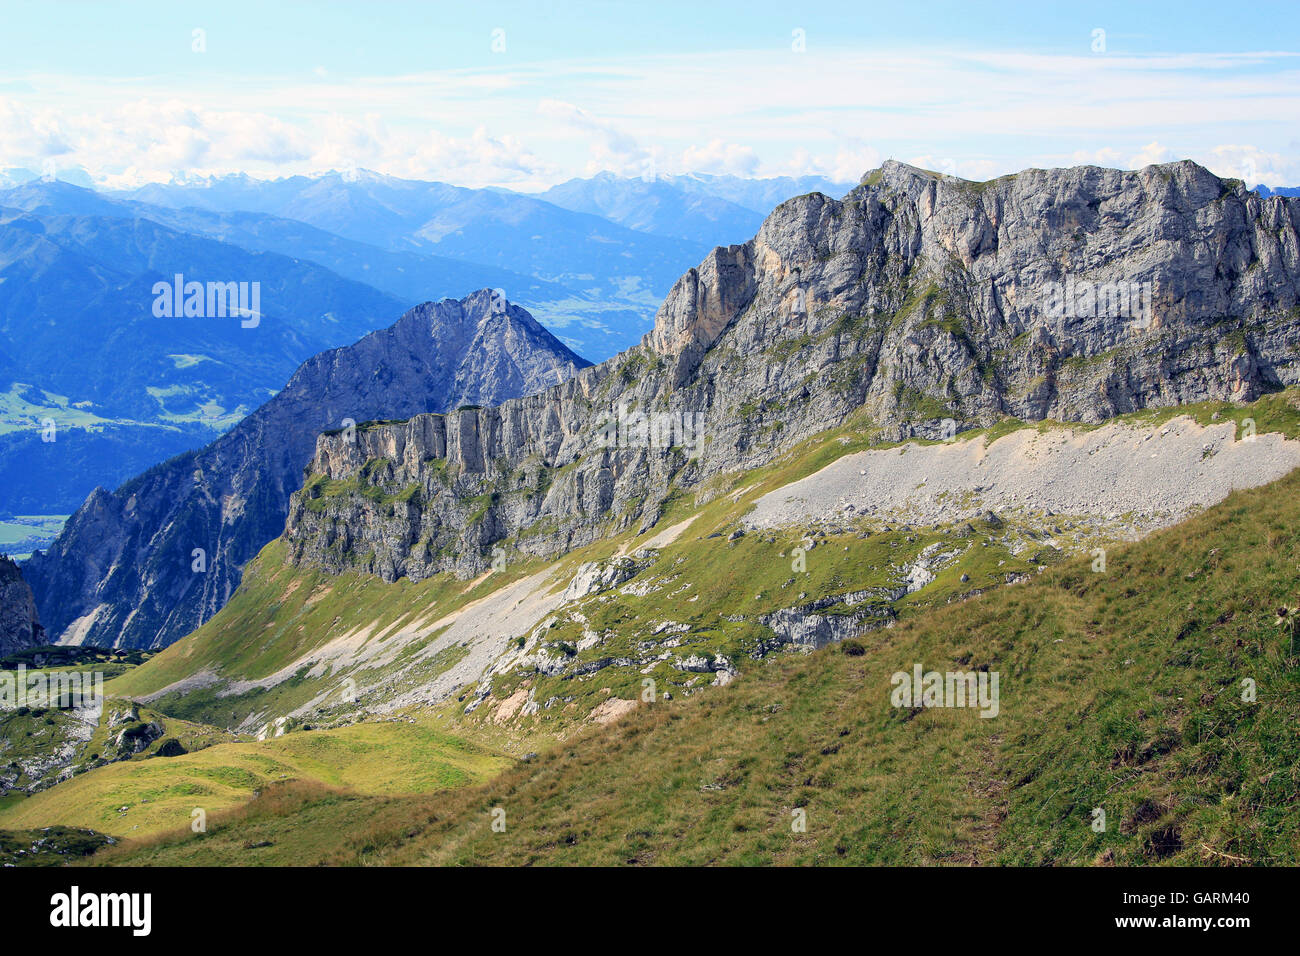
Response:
column 525, row 95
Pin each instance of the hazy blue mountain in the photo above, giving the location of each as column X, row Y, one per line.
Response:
column 621, row 274
column 15, row 175
column 408, row 275
column 585, row 322
column 11, row 176
column 658, row 206
column 1267, row 191
column 404, row 274
column 58, row 198
column 78, row 295
column 80, row 345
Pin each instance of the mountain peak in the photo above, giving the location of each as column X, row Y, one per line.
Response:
column 478, row 350
column 920, row 223
column 896, row 174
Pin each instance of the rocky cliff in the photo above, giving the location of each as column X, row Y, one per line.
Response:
column 920, row 303
column 20, row 625
column 146, row 564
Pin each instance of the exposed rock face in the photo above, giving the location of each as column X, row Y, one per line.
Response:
column 594, row 577
column 917, row 302
column 20, row 625
column 813, row 631
column 125, row 572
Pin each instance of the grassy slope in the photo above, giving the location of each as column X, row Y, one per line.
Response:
column 282, row 612
column 33, row 733
column 279, row 614
column 752, row 576
column 1120, row 690
column 160, row 793
column 305, row 607
column 49, row 846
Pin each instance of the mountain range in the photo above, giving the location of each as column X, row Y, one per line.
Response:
column 148, row 563
column 919, row 427
column 916, row 300
column 687, row 206
column 81, row 347
column 336, row 256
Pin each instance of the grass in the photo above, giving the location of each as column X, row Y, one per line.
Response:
column 29, row 736
column 286, row 824
column 1120, row 691
column 49, row 846
column 282, row 613
column 23, row 533
column 279, row 614
column 138, row 798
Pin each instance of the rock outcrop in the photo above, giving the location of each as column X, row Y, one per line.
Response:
column 919, row 304
column 146, row 564
column 20, row 625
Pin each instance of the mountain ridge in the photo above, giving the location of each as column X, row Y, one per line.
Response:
column 410, row 275
column 918, row 299
column 121, row 573
column 20, row 624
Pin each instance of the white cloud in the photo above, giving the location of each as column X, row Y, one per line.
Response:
column 720, row 157
column 30, row 135
column 846, row 165
column 1150, row 155
column 480, row 160
column 616, row 142
column 1254, row 166
column 834, row 112
column 608, row 147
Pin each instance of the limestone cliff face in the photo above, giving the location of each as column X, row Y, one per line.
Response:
column 1075, row 294
column 123, row 572
column 20, row 625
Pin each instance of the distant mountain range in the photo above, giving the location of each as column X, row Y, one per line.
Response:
column 335, row 256
column 688, row 206
column 1267, row 191
column 95, row 387
column 615, row 276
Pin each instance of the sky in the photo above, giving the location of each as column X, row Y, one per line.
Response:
column 526, row 95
